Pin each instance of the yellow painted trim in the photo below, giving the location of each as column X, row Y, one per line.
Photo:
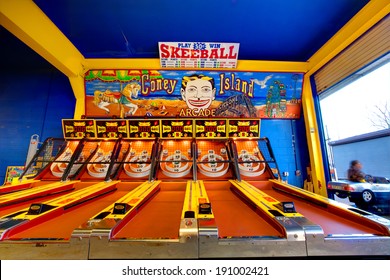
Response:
column 313, row 140
column 78, row 88
column 201, row 194
column 138, row 195
column 189, row 203
column 30, row 191
column 292, row 190
column 367, row 17
column 195, row 191
column 26, row 21
column 261, row 199
column 154, row 63
column 65, row 200
column 277, row 66
column 20, row 182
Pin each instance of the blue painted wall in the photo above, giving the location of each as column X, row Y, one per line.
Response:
column 288, row 142
column 31, row 102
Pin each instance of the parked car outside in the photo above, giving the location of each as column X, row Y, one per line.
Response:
column 374, row 192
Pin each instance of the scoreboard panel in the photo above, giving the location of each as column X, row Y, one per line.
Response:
column 144, row 129
column 244, row 128
column 210, row 128
column 177, row 128
column 79, row 129
column 112, row 129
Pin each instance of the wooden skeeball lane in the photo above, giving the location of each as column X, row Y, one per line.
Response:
column 42, row 228
column 341, row 230
column 214, row 198
column 238, row 224
column 51, row 179
column 43, row 187
column 53, row 176
column 331, row 228
column 191, row 219
column 146, row 224
column 43, row 183
column 243, row 225
column 154, row 221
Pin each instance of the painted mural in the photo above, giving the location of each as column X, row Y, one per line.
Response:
column 185, row 93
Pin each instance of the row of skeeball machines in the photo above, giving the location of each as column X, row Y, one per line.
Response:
column 174, row 199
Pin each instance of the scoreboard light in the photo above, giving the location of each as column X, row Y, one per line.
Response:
column 112, row 135
column 210, row 134
column 177, row 134
column 145, row 134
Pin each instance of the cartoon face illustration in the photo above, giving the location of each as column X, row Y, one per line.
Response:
column 198, row 91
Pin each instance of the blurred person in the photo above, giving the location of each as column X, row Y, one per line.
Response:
column 355, row 172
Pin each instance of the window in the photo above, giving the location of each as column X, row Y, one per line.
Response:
column 356, row 120
column 359, row 107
